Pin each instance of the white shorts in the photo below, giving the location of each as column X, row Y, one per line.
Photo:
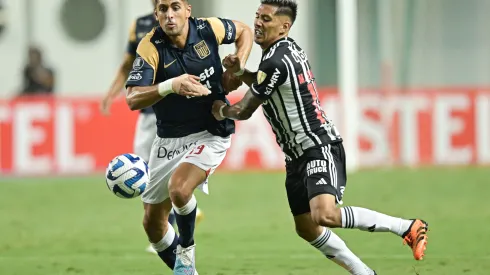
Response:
column 146, row 131
column 203, row 149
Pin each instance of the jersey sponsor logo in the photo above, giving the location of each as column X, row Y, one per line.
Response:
column 261, row 76
column 159, row 41
column 230, row 31
column 169, row 154
column 202, row 49
column 135, row 77
column 168, row 65
column 138, row 63
column 316, row 166
column 201, row 27
column 274, row 79
column 204, row 77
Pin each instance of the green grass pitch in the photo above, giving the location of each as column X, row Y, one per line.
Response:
column 54, row 226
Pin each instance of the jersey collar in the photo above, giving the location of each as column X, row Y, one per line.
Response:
column 277, row 42
column 192, row 35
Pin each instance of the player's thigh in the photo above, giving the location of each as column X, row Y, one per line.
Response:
column 200, row 162
column 296, row 190
column 165, row 156
column 325, row 171
column 326, row 180
column 145, row 134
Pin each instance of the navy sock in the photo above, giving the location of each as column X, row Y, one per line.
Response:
column 168, row 254
column 166, row 247
column 171, row 218
column 186, row 221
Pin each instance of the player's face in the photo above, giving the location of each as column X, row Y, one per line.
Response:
column 269, row 27
column 172, row 15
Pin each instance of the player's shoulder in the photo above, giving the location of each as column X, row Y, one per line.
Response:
column 278, row 50
column 149, row 43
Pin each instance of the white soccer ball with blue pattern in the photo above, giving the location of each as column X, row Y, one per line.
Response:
column 127, row 176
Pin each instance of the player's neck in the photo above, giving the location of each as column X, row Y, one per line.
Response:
column 180, row 40
column 268, row 45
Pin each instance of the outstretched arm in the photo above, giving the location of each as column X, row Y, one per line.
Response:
column 241, row 110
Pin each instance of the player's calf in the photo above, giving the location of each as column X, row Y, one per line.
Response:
column 372, row 221
column 184, row 180
column 330, row 245
column 160, row 233
column 155, row 220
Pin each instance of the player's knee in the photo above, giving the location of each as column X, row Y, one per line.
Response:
column 328, row 217
column 179, row 191
column 307, row 233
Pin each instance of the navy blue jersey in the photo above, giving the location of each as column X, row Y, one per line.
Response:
column 158, row 60
column 140, row 27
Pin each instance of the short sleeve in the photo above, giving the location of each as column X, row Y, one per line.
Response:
column 144, row 66
column 224, row 30
column 132, row 41
column 271, row 74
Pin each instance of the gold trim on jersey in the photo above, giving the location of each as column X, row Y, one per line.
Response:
column 218, row 28
column 149, row 52
column 202, row 49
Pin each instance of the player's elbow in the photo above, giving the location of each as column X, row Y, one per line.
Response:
column 131, row 100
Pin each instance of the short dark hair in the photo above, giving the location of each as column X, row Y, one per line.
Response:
column 285, row 7
column 156, row 1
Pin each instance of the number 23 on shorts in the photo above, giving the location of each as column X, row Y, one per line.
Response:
column 196, row 151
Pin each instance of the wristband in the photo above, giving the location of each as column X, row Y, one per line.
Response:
column 221, row 111
column 165, row 87
column 240, row 72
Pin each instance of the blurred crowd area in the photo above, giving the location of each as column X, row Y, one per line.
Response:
column 72, row 47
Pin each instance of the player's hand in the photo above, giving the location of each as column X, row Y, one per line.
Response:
column 230, row 82
column 105, row 105
column 189, row 85
column 215, row 110
column 232, row 63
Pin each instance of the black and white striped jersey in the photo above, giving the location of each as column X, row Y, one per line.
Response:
column 291, row 105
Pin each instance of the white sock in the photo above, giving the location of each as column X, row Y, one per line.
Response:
column 166, row 241
column 335, row 249
column 372, row 221
column 187, row 208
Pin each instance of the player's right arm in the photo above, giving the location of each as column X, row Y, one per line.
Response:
column 143, row 92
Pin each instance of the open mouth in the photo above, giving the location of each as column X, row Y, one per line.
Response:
column 258, row 32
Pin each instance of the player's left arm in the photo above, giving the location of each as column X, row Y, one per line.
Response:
column 270, row 76
column 242, row 110
column 233, row 31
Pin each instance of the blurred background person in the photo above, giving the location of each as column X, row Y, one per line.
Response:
column 37, row 77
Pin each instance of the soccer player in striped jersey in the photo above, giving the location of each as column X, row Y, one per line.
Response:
column 315, row 159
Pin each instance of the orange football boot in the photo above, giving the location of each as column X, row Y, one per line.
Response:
column 416, row 238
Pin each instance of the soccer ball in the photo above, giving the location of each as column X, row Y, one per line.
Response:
column 127, row 176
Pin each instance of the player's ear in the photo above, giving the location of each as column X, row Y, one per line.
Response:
column 285, row 26
column 188, row 10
